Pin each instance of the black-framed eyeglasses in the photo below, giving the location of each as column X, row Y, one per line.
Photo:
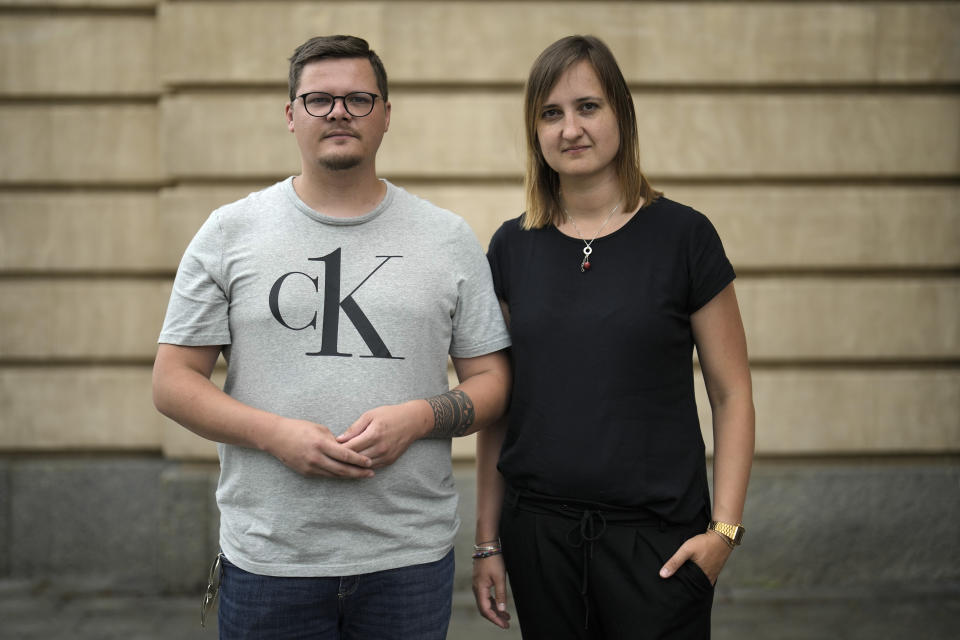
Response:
column 320, row 104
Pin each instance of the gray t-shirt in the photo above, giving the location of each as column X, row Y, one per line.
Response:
column 324, row 318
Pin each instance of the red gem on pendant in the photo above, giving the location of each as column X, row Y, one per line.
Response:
column 586, row 265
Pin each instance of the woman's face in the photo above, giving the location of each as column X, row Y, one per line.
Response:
column 576, row 126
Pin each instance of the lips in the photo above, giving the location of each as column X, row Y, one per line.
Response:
column 335, row 134
column 574, row 149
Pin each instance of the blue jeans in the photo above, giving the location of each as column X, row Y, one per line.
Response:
column 404, row 603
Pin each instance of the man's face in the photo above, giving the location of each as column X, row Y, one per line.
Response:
column 339, row 140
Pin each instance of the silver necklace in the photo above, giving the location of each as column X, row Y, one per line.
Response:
column 587, row 249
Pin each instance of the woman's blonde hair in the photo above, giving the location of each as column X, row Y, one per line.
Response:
column 542, row 183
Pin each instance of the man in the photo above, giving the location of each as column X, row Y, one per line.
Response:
column 335, row 298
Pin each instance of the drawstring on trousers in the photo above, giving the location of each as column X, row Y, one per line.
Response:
column 589, row 529
column 592, row 520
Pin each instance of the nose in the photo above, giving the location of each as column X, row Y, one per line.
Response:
column 571, row 127
column 339, row 109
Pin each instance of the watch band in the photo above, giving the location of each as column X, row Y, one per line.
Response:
column 732, row 532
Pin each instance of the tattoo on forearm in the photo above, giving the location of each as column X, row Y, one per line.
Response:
column 452, row 414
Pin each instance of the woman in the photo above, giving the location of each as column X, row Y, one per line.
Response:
column 595, row 487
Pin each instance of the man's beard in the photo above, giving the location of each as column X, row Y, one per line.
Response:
column 340, row 163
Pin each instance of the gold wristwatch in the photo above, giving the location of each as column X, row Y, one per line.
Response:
column 732, row 532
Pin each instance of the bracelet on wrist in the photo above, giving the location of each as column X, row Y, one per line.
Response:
column 487, row 549
column 491, row 544
column 731, row 533
column 725, row 539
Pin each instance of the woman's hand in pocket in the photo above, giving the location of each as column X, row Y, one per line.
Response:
column 707, row 550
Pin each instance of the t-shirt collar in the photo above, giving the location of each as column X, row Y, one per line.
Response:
column 287, row 186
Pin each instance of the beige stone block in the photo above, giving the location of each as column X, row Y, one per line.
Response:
column 76, row 55
column 188, row 206
column 106, row 231
column 226, row 42
column 659, row 43
column 484, row 207
column 823, row 319
column 454, row 134
column 131, row 5
column 703, row 135
column 83, row 319
column 242, row 134
column 826, row 136
column 831, row 227
column 464, row 448
column 654, row 42
column 179, row 443
column 851, row 411
column 79, row 143
column 921, row 41
column 77, row 408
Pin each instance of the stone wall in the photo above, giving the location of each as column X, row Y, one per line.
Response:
column 822, row 138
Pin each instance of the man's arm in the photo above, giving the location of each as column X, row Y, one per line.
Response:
column 182, row 391
column 479, row 399
column 384, row 433
column 453, row 414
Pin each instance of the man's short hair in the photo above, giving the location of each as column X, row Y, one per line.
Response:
column 321, row 47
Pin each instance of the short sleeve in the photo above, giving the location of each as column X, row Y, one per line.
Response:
column 478, row 326
column 710, row 270
column 496, row 254
column 198, row 311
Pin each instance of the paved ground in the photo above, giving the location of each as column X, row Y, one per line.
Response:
column 34, row 611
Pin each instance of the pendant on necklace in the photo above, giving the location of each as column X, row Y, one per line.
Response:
column 587, row 249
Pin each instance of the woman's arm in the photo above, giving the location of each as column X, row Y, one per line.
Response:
column 722, row 351
column 490, row 572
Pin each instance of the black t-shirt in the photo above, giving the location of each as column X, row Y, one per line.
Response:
column 603, row 402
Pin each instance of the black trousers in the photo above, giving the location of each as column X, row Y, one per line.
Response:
column 582, row 572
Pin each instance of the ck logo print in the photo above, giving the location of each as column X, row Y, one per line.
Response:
column 332, row 306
